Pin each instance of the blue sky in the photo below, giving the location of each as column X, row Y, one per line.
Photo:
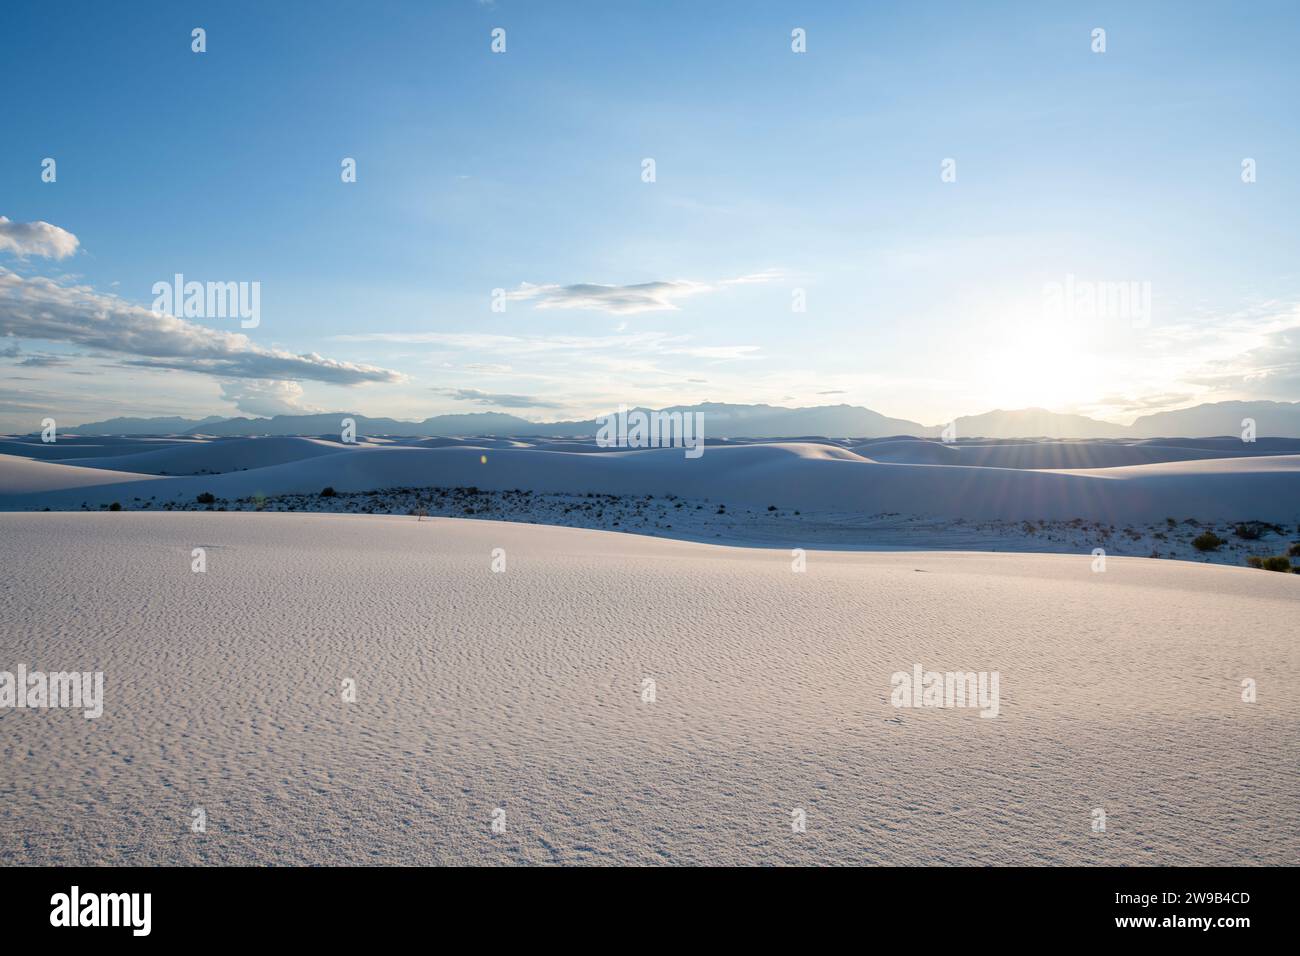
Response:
column 775, row 172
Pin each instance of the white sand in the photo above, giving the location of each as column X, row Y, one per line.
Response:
column 521, row 690
column 808, row 476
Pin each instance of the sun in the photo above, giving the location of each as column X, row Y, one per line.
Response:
column 1044, row 364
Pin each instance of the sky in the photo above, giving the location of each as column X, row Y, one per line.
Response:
column 934, row 210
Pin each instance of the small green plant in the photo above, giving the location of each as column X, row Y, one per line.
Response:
column 328, row 492
column 1207, row 541
column 206, row 498
column 115, row 506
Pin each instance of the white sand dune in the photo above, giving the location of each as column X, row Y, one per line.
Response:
column 910, row 451
column 465, row 443
column 523, row 690
column 24, row 479
column 1048, row 455
column 222, row 455
column 73, row 447
column 806, row 476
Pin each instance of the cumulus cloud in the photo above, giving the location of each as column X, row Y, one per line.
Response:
column 659, row 296
column 499, row 399
column 266, row 397
column 39, row 308
column 36, row 239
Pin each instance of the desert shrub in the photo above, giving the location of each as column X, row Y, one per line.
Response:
column 1250, row 530
column 115, row 506
column 206, row 498
column 1207, row 541
column 1294, row 550
column 328, row 492
column 1279, row 562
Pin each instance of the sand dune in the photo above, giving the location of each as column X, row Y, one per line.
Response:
column 29, row 483
column 465, row 443
column 222, row 455
column 1055, row 455
column 523, row 690
column 910, row 451
column 71, row 446
column 813, row 477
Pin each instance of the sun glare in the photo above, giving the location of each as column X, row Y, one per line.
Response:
column 1044, row 364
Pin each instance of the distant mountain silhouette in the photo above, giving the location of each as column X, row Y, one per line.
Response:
column 722, row 420
column 1035, row 422
column 145, row 426
column 1274, row 419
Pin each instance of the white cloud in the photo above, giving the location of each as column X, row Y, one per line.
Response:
column 499, row 399
column 487, row 367
column 587, row 346
column 39, row 308
column 659, row 296
column 36, row 239
column 1269, row 370
column 266, row 397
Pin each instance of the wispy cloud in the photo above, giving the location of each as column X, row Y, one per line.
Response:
column 501, row 400
column 661, row 296
column 487, row 367
column 642, row 343
column 39, row 308
column 36, row 239
column 42, row 361
column 1270, row 369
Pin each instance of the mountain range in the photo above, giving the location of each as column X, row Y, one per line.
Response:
column 1272, row 419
